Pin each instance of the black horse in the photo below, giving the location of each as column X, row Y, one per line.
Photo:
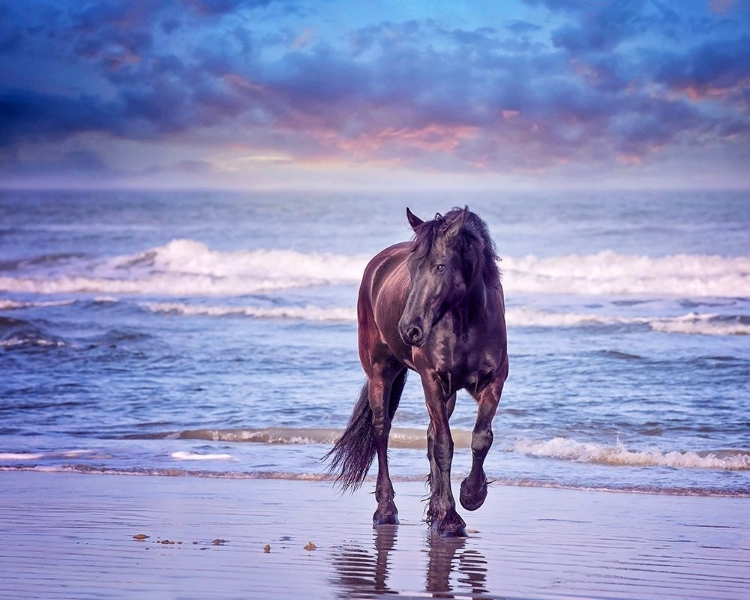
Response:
column 434, row 305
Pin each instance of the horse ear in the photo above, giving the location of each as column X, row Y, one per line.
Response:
column 455, row 227
column 414, row 220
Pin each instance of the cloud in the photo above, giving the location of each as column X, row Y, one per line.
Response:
column 713, row 70
column 28, row 115
column 573, row 83
column 522, row 27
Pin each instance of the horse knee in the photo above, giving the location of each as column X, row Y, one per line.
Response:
column 481, row 441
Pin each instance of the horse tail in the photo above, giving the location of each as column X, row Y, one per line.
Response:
column 353, row 453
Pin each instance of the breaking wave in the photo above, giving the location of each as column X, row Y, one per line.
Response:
column 17, row 304
column 690, row 323
column 16, row 333
column 415, row 439
column 187, row 267
column 308, row 312
column 620, row 455
column 608, row 273
column 401, row 437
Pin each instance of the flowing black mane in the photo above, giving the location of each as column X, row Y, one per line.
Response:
column 474, row 233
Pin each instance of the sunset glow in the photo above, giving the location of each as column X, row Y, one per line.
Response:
column 276, row 94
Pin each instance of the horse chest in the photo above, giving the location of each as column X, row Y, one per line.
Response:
column 454, row 366
column 460, row 362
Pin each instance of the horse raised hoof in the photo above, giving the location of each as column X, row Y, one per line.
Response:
column 473, row 496
column 451, row 526
column 386, row 515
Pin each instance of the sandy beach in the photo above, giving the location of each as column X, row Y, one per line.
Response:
column 244, row 242
column 72, row 536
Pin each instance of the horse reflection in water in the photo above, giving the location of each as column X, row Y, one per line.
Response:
column 434, row 305
column 361, row 574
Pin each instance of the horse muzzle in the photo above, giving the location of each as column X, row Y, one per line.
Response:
column 412, row 333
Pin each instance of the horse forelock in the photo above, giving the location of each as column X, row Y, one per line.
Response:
column 473, row 235
column 425, row 236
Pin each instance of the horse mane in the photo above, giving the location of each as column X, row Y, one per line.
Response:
column 473, row 233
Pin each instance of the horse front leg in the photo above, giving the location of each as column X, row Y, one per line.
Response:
column 379, row 392
column 451, row 404
column 474, row 487
column 441, row 514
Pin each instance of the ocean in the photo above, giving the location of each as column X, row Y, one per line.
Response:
column 213, row 334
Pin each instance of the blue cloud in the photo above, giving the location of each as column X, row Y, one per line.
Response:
column 569, row 82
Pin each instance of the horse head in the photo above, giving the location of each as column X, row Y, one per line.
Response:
column 442, row 266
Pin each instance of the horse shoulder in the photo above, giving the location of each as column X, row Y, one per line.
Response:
column 379, row 305
column 390, row 285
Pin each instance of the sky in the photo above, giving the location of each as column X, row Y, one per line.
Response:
column 276, row 94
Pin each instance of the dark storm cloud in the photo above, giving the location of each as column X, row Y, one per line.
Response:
column 717, row 65
column 418, row 91
column 604, row 25
column 25, row 114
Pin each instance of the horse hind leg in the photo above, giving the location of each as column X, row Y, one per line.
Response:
column 384, row 395
column 397, row 389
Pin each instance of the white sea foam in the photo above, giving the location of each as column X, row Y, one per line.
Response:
column 74, row 453
column 609, row 273
column 190, row 268
column 20, row 455
column 619, row 454
column 701, row 326
column 16, row 304
column 690, row 323
column 16, row 342
column 54, row 454
column 183, row 455
column 308, row 312
column 401, row 437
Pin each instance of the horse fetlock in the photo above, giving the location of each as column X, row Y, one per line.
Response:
column 385, row 494
column 386, row 514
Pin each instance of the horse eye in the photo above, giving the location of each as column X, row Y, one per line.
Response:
column 440, row 268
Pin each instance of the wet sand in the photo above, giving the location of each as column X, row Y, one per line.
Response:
column 72, row 536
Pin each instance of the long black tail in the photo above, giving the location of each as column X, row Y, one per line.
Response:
column 354, row 451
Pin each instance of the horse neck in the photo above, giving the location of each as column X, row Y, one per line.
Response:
column 469, row 308
column 475, row 300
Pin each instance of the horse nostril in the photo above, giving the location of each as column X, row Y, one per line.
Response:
column 414, row 334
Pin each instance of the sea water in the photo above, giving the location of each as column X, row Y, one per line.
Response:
column 214, row 335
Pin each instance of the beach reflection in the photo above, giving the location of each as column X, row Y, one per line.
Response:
column 447, row 556
column 359, row 573
column 452, row 568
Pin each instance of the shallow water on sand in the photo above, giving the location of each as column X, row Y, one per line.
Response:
column 215, row 334
column 71, row 536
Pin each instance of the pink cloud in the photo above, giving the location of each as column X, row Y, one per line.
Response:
column 432, row 138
